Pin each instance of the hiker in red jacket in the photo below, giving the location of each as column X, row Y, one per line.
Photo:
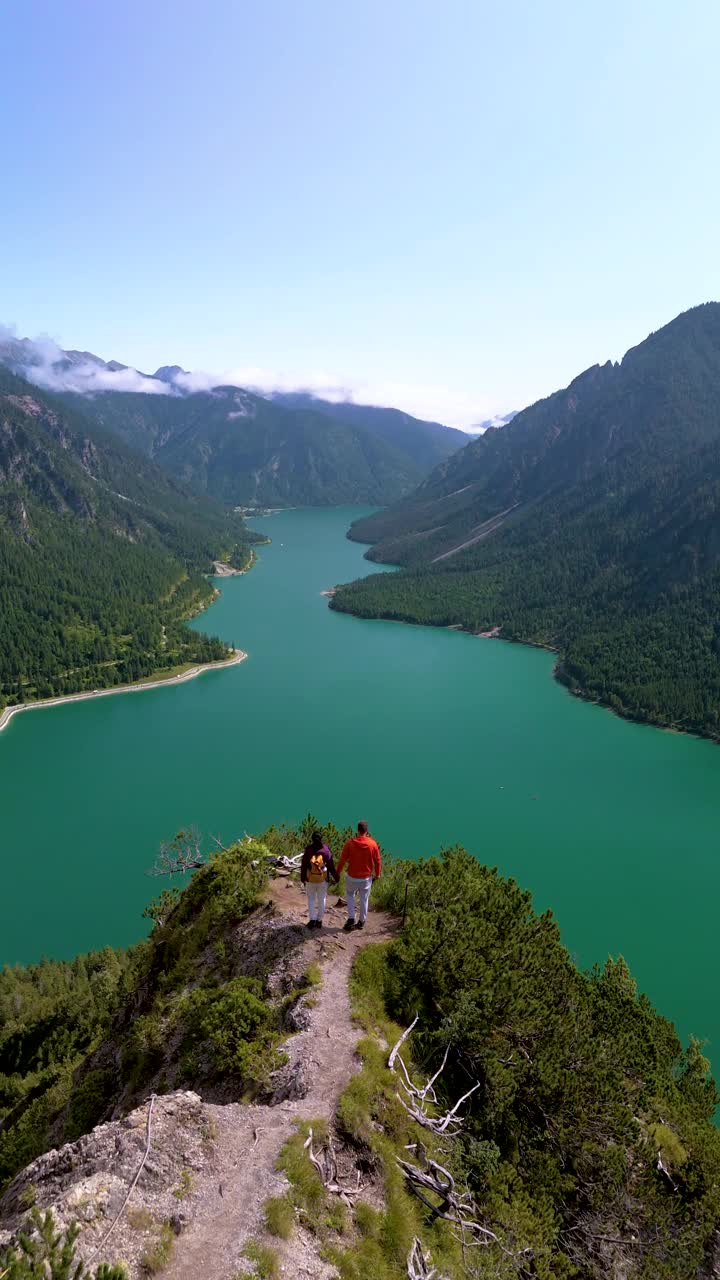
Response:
column 361, row 856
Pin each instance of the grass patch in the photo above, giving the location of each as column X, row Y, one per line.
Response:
column 157, row 1257
column 184, row 1186
column 312, row 976
column 264, row 1259
column 307, row 1192
column 322, row 1213
column 280, row 1216
column 369, row 987
column 28, row 1197
column 140, row 1219
column 371, row 1117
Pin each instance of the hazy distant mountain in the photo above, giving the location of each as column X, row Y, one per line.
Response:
column 590, row 523
column 284, row 449
column 425, row 443
column 168, row 372
column 246, row 450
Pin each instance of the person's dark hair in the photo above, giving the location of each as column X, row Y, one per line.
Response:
column 362, row 828
column 316, row 841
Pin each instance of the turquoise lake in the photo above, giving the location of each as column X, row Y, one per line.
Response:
column 435, row 736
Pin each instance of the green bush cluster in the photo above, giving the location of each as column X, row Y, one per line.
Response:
column 234, row 1022
column 582, row 1083
column 47, row 1254
column 53, row 1016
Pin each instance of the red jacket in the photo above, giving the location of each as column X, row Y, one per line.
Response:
column 361, row 856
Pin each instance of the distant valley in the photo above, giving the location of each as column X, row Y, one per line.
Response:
column 116, row 504
column 238, row 446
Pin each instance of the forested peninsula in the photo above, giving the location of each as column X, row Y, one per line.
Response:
column 102, row 556
column 587, row 525
column 566, row 1133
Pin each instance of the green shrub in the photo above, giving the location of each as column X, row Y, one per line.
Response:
column 47, row 1254
column 89, row 1103
column 235, row 1021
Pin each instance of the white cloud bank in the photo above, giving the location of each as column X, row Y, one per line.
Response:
column 45, row 363
column 430, row 401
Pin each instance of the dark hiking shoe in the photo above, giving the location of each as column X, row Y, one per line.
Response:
column 349, row 925
column 318, row 924
column 360, row 924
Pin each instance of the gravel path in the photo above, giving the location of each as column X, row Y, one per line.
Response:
column 249, row 1138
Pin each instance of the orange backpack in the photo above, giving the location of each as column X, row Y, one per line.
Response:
column 317, row 871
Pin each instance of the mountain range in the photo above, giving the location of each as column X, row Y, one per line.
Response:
column 590, row 524
column 239, row 446
column 114, row 504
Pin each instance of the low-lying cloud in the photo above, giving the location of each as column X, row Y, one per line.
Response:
column 45, row 363
column 430, row 401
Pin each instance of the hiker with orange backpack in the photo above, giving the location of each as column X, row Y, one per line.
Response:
column 361, row 855
column 317, row 869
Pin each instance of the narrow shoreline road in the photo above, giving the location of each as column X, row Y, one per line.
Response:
column 238, row 656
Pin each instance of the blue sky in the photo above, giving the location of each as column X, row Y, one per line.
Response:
column 453, row 207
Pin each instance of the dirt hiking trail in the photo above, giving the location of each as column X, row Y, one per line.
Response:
column 228, row 1199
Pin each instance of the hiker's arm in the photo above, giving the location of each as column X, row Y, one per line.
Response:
column 377, row 861
column 332, row 873
column 304, row 867
column 341, row 862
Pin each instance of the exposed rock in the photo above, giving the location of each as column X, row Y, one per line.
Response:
column 290, row 1083
column 87, row 1181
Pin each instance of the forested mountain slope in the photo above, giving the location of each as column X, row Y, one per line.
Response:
column 101, row 554
column 568, row 1134
column 425, row 443
column 591, row 524
column 244, row 449
column 241, row 447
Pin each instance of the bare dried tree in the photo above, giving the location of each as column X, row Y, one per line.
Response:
column 326, row 1164
column 419, row 1098
column 181, row 854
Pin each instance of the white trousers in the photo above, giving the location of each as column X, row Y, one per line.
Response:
column 317, row 897
column 361, row 889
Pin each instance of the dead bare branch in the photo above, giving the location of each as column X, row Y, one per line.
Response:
column 450, row 1122
column 663, row 1169
column 326, row 1165
column 181, row 854
column 454, row 1206
column 394, row 1051
column 418, row 1264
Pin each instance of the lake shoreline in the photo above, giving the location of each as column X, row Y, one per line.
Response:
column 558, row 674
column 239, row 655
